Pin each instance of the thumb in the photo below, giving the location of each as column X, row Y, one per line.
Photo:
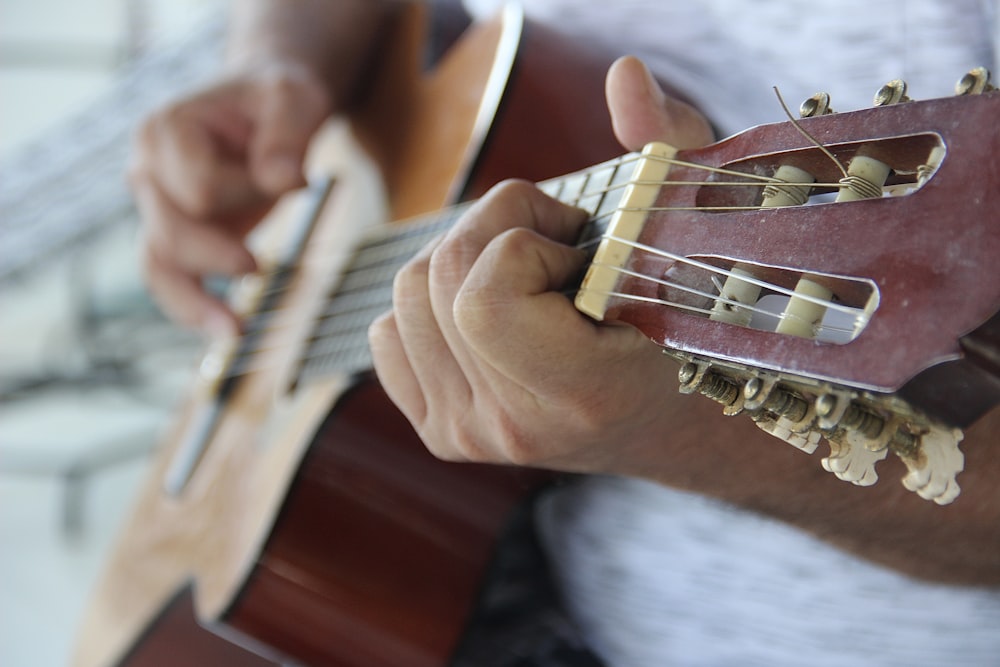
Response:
column 641, row 112
column 287, row 117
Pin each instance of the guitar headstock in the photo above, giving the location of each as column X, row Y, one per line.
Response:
column 810, row 272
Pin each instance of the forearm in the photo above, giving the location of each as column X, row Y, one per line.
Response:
column 733, row 460
column 332, row 39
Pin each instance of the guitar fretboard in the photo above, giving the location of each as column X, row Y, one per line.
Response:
column 339, row 342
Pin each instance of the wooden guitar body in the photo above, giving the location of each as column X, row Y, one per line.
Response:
column 314, row 527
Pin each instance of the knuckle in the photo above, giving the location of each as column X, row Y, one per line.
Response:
column 498, row 437
column 514, row 444
column 451, row 443
column 513, row 189
column 448, row 260
column 408, row 279
column 516, row 243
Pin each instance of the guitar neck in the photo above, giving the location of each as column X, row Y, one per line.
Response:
column 339, row 344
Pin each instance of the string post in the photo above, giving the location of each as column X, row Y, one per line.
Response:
column 927, row 169
column 805, row 309
column 864, row 179
column 734, row 296
column 787, row 188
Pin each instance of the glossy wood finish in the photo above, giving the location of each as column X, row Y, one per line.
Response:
column 932, row 254
column 962, row 390
column 380, row 548
column 176, row 638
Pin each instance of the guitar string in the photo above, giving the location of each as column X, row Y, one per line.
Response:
column 242, row 366
column 710, row 295
column 681, row 259
column 347, row 327
column 758, row 181
column 317, row 262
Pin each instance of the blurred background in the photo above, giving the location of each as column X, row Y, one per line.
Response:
column 89, row 372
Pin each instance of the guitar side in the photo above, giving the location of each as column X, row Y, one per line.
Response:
column 284, row 540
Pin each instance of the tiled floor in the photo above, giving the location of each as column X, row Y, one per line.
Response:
column 77, row 328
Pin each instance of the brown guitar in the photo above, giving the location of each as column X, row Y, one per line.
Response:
column 778, row 266
column 291, row 512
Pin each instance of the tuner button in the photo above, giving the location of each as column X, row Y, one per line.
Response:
column 975, row 82
column 893, row 92
column 935, row 465
column 817, row 105
column 851, row 460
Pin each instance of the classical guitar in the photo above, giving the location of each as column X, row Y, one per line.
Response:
column 298, row 515
column 290, row 509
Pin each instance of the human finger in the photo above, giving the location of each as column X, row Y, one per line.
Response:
column 178, row 253
column 393, row 367
column 193, row 152
column 289, row 108
column 184, row 299
column 641, row 112
column 195, row 246
column 511, row 205
column 513, row 313
column 443, row 385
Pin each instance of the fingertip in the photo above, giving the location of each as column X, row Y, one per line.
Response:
column 642, row 112
column 635, row 102
column 382, row 330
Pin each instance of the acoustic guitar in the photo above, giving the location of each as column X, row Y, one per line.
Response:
column 293, row 512
column 290, row 508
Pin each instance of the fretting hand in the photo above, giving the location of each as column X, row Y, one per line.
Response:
column 489, row 359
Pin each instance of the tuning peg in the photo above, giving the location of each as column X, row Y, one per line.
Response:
column 893, row 92
column 817, row 105
column 975, row 82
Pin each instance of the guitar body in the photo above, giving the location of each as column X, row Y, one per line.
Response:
column 314, row 527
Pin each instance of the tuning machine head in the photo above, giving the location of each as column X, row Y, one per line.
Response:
column 817, row 105
column 975, row 82
column 893, row 92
